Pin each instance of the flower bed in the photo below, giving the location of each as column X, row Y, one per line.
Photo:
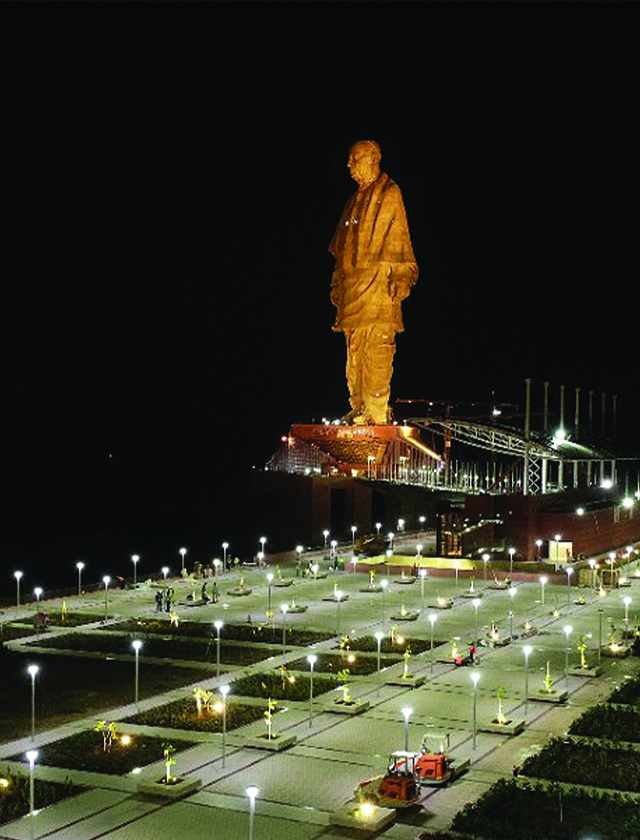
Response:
column 564, row 760
column 334, row 663
column 182, row 714
column 14, row 794
column 627, row 693
column 283, row 686
column 610, row 722
column 200, row 650
column 369, row 644
column 85, row 751
column 512, row 811
column 267, row 633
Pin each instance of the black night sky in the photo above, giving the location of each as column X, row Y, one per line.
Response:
column 173, row 175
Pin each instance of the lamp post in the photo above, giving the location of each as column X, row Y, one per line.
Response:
column 182, row 552
column 106, row 580
column 32, row 755
column 626, row 601
column 33, row 672
column 423, row 574
column 538, row 549
column 475, row 677
column 38, row 593
column 456, row 566
column 485, row 560
column 134, row 559
column 80, row 567
column 384, row 584
column 285, row 609
column 325, row 534
column 543, row 581
column 216, row 567
column 512, row 594
column 354, row 528
column 599, row 636
column 406, row 714
column 378, row 526
column 339, row 595
column 165, row 572
column 17, row 576
column 224, row 690
column 379, row 636
column 476, row 603
column 311, row 659
column 569, row 571
column 225, row 546
column 136, row 645
column 252, row 792
column 432, row 621
column 269, row 582
column 262, row 541
column 218, row 625
column 567, row 629
column 512, row 551
column 526, row 649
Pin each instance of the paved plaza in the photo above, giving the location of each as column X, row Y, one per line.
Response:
column 301, row 787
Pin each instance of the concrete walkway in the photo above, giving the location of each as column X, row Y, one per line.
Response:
column 302, row 786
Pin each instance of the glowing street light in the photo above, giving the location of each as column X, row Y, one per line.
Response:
column 543, row 581
column 569, row 571
column 106, row 580
column 311, row 659
column 526, row 649
column 512, row 594
column 134, row 559
column 262, row 542
column 252, row 792
column 38, row 593
column 224, row 690
column 218, row 625
column 182, row 552
column 33, row 672
column 475, row 678
column 80, row 567
column 354, row 528
column 406, row 714
column 485, row 560
column 339, row 595
column 423, row 574
column 325, row 534
column 626, row 601
column 512, row 551
column 225, row 546
column 17, row 576
column 165, row 572
column 32, row 755
column 136, row 645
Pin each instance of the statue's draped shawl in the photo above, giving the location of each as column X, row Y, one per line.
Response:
column 371, row 246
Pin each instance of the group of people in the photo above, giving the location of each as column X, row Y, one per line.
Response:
column 164, row 599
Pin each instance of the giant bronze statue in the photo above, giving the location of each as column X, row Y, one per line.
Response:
column 374, row 272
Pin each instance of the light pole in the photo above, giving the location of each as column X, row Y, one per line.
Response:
column 80, row 567
column 218, row 625
column 423, row 574
column 456, row 566
column 354, row 528
column 165, row 572
column 379, row 636
column 512, row 551
column 476, row 603
column 225, row 546
column 538, row 549
column 599, row 636
column 475, row 677
column 569, row 571
column 252, row 792
column 269, row 582
column 136, row 645
column 339, row 595
column 325, row 534
column 543, row 581
column 285, row 609
column 224, row 690
column 512, row 594
column 485, row 560
column 311, row 659
column 38, row 593
column 378, row 526
column 33, row 672
column 432, row 621
column 262, row 542
column 32, row 755
column 526, row 649
column 406, row 714
column 182, row 552
column 134, row 559
column 17, row 576
column 567, row 632
column 384, row 584
column 106, row 580
column 626, row 601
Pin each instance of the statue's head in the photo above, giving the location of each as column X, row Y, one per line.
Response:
column 364, row 162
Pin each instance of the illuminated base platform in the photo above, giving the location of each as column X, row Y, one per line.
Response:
column 369, row 451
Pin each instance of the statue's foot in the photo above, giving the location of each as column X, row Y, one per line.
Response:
column 353, row 417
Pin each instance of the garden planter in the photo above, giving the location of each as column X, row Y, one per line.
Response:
column 297, row 609
column 405, row 581
column 356, row 707
column 351, row 816
column 407, row 615
column 174, row 790
column 236, row 593
column 276, row 743
column 615, row 651
column 511, row 727
column 442, row 604
column 372, row 589
column 281, row 583
column 549, row 696
column 410, row 681
column 471, row 593
column 595, row 671
column 335, row 600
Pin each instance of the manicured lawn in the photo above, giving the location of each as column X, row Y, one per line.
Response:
column 267, row 633
column 182, row 714
column 285, row 686
column 85, row 751
column 14, row 794
column 608, row 721
column 334, row 663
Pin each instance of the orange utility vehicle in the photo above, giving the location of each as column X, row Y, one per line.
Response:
column 398, row 788
column 432, row 767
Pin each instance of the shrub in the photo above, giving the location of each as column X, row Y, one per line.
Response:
column 610, row 722
column 14, row 794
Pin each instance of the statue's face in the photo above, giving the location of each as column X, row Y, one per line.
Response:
column 363, row 163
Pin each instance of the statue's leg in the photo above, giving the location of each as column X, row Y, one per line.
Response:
column 355, row 343
column 376, row 375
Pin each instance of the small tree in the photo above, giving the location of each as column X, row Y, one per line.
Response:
column 343, row 676
column 169, row 761
column 203, row 699
column 500, row 694
column 108, row 731
column 271, row 705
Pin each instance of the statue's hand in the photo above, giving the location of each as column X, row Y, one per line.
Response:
column 399, row 290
